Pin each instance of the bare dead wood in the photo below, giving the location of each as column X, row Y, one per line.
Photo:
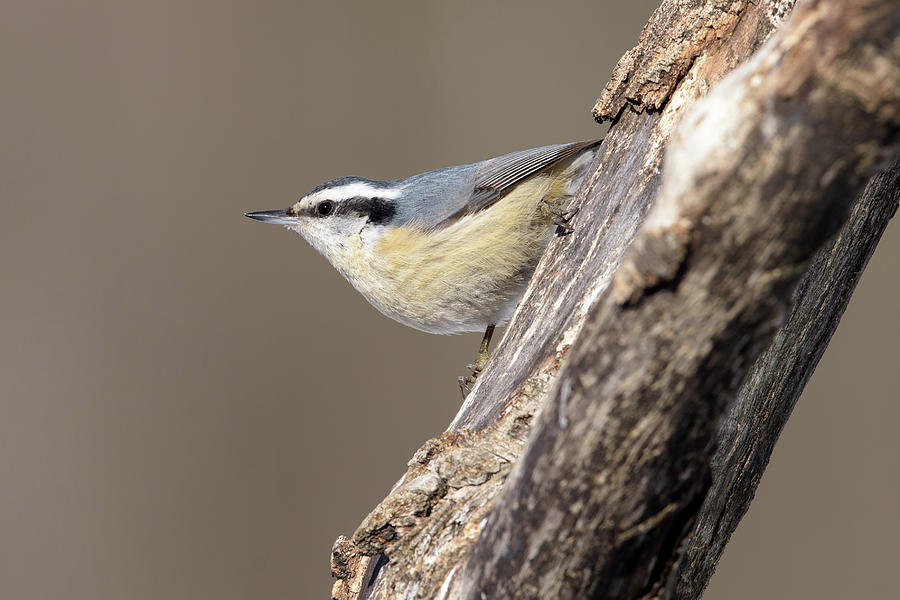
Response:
column 772, row 388
column 609, row 487
column 601, row 449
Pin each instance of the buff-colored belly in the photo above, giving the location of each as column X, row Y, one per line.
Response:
column 467, row 275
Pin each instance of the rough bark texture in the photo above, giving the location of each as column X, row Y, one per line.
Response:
column 769, row 393
column 620, row 464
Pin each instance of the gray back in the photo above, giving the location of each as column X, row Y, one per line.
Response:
column 438, row 197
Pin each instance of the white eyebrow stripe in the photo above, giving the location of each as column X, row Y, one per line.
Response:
column 357, row 188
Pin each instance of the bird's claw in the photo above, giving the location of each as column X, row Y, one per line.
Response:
column 561, row 220
column 466, row 383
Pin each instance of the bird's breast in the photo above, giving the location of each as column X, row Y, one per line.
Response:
column 461, row 277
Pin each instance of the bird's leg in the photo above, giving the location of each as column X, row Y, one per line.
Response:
column 482, row 357
column 561, row 218
column 465, row 383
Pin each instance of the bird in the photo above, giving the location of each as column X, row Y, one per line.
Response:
column 450, row 250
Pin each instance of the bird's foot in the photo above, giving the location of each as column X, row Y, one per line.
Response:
column 466, row 383
column 561, row 219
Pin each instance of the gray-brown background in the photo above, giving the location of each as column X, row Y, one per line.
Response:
column 195, row 405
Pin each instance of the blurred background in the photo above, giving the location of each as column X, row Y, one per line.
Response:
column 194, row 405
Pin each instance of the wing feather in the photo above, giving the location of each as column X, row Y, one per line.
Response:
column 494, row 178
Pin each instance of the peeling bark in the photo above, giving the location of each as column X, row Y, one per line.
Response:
column 634, row 338
column 679, row 35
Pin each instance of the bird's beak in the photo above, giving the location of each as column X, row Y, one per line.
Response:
column 276, row 217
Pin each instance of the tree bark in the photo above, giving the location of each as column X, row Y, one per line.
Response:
column 636, row 338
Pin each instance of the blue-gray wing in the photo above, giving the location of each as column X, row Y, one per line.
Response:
column 473, row 188
column 439, row 198
column 495, row 177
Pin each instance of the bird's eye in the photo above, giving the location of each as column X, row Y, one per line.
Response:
column 325, row 208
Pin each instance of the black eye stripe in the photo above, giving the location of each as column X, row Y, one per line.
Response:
column 378, row 210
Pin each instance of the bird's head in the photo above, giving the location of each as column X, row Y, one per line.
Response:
column 334, row 215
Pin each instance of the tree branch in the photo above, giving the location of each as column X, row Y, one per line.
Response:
column 617, row 468
column 610, row 484
column 748, row 434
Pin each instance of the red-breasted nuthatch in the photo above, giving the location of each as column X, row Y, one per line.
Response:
column 447, row 251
